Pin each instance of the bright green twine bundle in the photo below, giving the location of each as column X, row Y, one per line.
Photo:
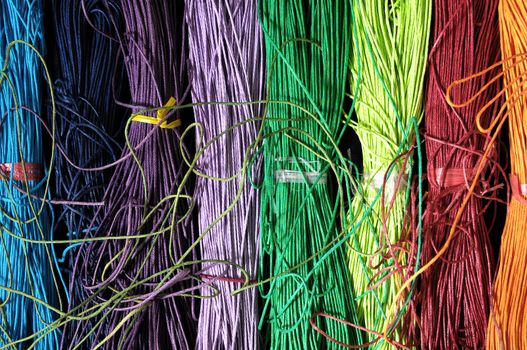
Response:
column 387, row 72
column 308, row 44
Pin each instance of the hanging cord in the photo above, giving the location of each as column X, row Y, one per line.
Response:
column 507, row 325
column 302, row 250
column 28, row 270
column 387, row 70
column 227, row 65
column 455, row 292
column 87, row 122
column 139, row 292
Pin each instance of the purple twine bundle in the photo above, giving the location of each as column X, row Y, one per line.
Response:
column 227, row 65
column 134, row 295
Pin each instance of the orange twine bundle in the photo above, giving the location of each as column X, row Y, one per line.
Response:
column 507, row 324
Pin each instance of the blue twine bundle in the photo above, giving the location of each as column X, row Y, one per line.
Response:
column 86, row 125
column 27, row 277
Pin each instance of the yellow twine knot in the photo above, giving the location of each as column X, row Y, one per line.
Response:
column 161, row 114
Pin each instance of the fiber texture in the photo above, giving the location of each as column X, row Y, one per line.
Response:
column 387, row 69
column 227, row 65
column 307, row 51
column 88, row 126
column 28, row 283
column 455, row 292
column 138, row 292
column 507, row 323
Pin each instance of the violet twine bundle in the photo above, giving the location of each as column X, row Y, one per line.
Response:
column 455, row 291
column 136, row 286
column 227, row 65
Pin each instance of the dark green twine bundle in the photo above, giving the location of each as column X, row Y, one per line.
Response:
column 303, row 256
